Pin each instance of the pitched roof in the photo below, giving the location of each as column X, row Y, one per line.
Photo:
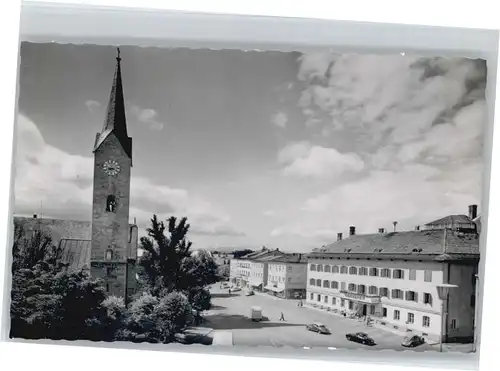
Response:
column 451, row 219
column 453, row 244
column 289, row 258
column 116, row 122
column 75, row 253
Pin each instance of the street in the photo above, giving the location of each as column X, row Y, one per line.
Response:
column 231, row 313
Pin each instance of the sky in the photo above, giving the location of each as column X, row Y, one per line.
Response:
column 256, row 148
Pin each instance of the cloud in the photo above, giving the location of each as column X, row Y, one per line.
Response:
column 280, row 120
column 92, row 105
column 62, row 183
column 392, row 102
column 147, row 116
column 303, row 159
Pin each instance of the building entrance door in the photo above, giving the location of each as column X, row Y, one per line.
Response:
column 364, row 309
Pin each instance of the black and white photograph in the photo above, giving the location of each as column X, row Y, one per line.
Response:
column 247, row 198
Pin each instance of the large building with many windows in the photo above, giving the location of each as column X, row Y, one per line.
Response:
column 248, row 271
column 396, row 278
column 286, row 276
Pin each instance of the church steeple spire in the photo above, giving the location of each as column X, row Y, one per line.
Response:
column 115, row 121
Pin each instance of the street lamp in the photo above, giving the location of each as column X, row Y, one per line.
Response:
column 443, row 292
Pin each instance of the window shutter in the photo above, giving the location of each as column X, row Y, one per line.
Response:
column 415, row 296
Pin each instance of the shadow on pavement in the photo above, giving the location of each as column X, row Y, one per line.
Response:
column 217, row 307
column 223, row 295
column 235, row 321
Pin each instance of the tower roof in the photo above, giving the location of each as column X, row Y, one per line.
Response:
column 115, row 121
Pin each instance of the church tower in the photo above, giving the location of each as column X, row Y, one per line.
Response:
column 111, row 234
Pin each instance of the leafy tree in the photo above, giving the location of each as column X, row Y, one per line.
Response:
column 239, row 253
column 156, row 319
column 223, row 271
column 168, row 263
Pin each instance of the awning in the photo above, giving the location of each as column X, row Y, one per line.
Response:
column 255, row 283
column 272, row 288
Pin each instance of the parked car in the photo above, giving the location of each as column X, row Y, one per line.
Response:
column 412, row 342
column 256, row 314
column 235, row 289
column 360, row 337
column 249, row 293
column 319, row 328
column 195, row 336
column 225, row 285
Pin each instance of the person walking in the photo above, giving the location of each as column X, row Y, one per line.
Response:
column 282, row 318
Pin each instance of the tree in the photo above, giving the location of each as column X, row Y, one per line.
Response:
column 168, row 263
column 223, row 271
column 47, row 300
column 239, row 253
column 156, row 319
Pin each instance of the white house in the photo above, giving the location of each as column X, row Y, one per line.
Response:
column 287, row 275
column 396, row 278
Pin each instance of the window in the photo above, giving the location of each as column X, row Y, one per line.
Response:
column 396, row 315
column 325, row 299
column 289, row 268
column 361, row 289
column 453, row 324
column 313, row 267
column 335, row 269
column 351, row 305
column 111, row 204
column 412, row 274
column 327, row 268
column 320, row 268
column 398, row 274
column 326, row 284
column 312, row 296
column 385, row 272
column 428, row 276
column 353, row 270
column 335, row 285
column 363, row 271
column 109, row 254
column 411, row 318
column 342, row 286
column 372, row 290
column 384, row 291
column 334, row 301
column 427, row 298
column 319, row 297
column 397, row 294
column 312, row 282
column 411, row 296
column 384, row 312
column 290, row 279
column 318, row 282
column 426, row 321
column 473, row 300
column 372, row 309
column 351, row 287
column 373, row 272
column 343, row 269
column 342, row 302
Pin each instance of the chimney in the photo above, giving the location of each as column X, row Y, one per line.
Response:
column 381, row 230
column 34, row 216
column 417, row 227
column 472, row 211
column 339, row 236
column 352, row 230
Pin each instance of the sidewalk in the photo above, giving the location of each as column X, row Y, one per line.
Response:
column 223, row 338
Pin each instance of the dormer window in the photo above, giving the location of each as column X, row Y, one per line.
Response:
column 111, row 204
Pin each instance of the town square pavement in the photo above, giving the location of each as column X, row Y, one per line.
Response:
column 230, row 313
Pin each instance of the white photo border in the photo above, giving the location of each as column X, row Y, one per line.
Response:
column 43, row 21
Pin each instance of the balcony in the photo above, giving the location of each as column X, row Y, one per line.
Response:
column 366, row 298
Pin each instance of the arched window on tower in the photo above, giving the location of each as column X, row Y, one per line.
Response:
column 109, row 254
column 111, row 204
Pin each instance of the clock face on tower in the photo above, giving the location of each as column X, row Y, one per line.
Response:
column 111, row 168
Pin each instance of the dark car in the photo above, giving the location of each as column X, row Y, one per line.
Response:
column 360, row 337
column 319, row 328
column 192, row 336
column 412, row 342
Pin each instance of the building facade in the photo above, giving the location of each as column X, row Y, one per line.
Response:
column 287, row 276
column 395, row 278
column 106, row 245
